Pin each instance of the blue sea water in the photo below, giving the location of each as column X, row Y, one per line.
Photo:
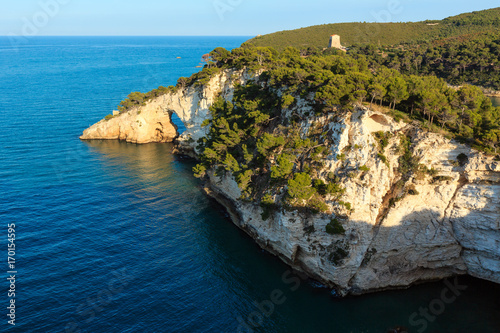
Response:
column 116, row 237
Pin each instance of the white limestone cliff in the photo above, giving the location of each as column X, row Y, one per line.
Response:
column 150, row 123
column 450, row 226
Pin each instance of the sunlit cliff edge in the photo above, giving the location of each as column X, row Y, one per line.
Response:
column 449, row 225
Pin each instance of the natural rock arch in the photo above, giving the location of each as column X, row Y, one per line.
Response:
column 191, row 105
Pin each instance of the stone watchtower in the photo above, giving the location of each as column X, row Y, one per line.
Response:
column 335, row 42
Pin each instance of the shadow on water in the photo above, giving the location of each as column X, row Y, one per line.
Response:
column 495, row 101
column 146, row 163
column 205, row 270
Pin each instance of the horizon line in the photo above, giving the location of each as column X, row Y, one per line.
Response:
column 21, row 36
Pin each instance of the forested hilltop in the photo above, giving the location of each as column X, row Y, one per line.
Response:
column 473, row 59
column 460, row 49
column 384, row 34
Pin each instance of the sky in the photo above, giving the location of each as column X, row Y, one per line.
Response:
column 211, row 17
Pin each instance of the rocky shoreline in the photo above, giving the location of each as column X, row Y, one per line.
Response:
column 491, row 93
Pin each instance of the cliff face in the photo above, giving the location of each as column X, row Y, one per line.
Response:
column 146, row 124
column 449, row 223
column 450, row 226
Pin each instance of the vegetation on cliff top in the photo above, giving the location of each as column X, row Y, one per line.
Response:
column 473, row 59
column 136, row 99
column 257, row 136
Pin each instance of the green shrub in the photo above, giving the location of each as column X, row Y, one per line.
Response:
column 205, row 123
column 412, row 190
column 231, row 164
column 199, row 171
column 398, row 116
column 244, row 179
column 341, row 157
column 286, row 101
column 307, row 168
column 300, row 187
column 408, row 163
column 364, row 168
column 422, row 171
column 346, row 205
column 430, row 172
column 283, row 167
column 439, row 179
column 317, row 205
column 382, row 138
column 334, row 189
column 268, row 142
column 383, row 158
column 320, row 186
column 136, row 98
column 268, row 205
column 335, row 227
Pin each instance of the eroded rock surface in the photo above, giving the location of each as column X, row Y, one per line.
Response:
column 146, row 124
column 449, row 225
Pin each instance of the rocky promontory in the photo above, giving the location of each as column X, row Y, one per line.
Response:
column 147, row 124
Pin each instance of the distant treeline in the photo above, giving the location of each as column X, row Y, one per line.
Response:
column 470, row 59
